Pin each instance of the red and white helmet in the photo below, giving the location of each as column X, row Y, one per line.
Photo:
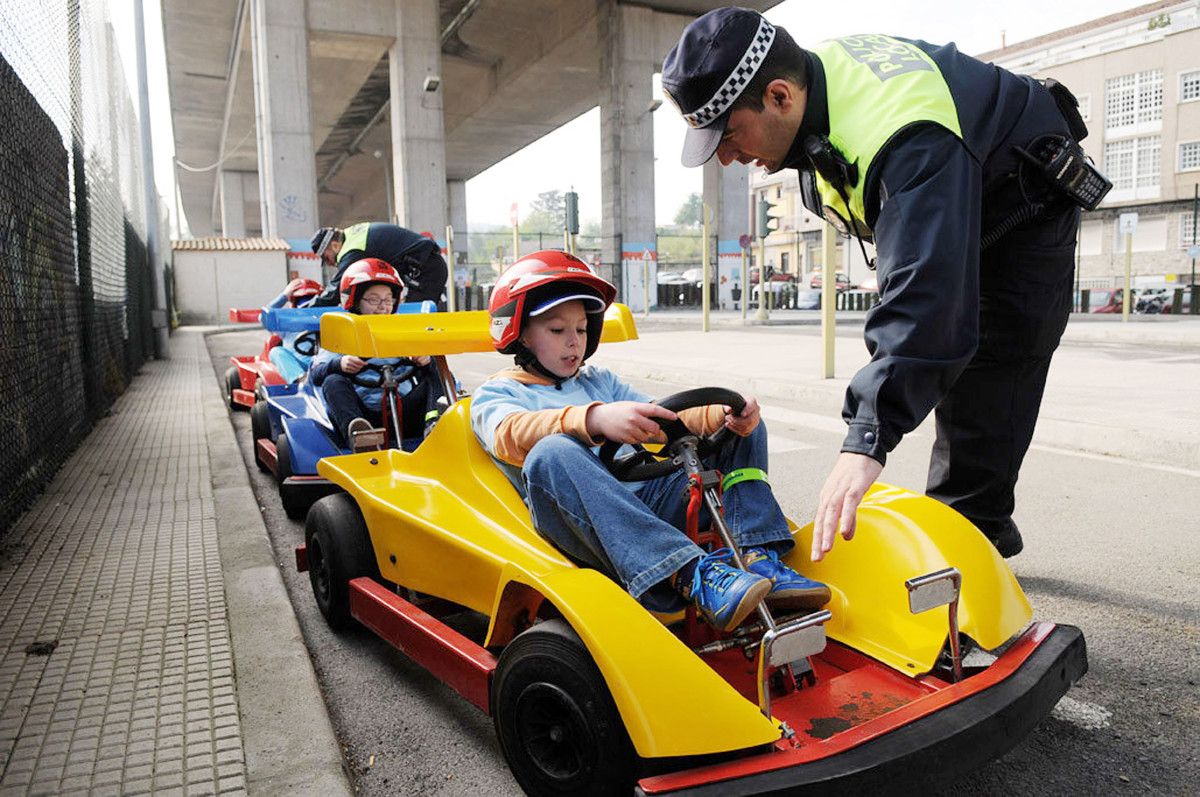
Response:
column 363, row 274
column 539, row 281
column 299, row 290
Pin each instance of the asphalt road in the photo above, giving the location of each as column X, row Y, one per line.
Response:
column 1110, row 546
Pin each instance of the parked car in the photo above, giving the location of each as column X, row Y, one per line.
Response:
column 841, row 281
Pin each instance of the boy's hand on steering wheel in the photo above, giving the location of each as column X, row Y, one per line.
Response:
column 351, row 365
column 423, row 360
column 747, row 421
column 627, row 421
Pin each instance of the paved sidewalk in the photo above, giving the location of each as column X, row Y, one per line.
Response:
column 146, row 642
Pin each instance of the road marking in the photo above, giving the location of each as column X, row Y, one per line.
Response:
column 1117, row 460
column 780, row 444
column 810, row 420
column 1089, row 716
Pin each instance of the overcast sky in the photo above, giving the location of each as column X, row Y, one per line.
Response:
column 570, row 156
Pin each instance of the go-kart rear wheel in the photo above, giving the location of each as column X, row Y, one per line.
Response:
column 558, row 726
column 339, row 550
column 293, row 505
column 233, row 381
column 260, row 428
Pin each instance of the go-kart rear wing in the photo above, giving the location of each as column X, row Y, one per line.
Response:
column 238, row 316
column 282, row 320
column 436, row 334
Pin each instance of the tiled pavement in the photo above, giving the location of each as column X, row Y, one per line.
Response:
column 117, row 668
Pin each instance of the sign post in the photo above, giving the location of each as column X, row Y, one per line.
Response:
column 1127, row 224
column 646, row 283
column 745, row 242
column 828, row 297
column 451, row 285
column 706, row 269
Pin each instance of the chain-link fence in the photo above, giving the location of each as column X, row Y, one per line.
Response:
column 76, row 291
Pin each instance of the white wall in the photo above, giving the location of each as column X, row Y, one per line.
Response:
column 207, row 284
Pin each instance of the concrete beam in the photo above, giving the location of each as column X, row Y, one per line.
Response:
column 627, row 65
column 287, row 174
column 456, row 205
column 418, row 140
column 233, row 205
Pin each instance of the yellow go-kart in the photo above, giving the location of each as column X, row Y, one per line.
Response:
column 923, row 665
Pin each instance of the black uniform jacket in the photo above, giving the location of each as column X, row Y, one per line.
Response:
column 929, row 197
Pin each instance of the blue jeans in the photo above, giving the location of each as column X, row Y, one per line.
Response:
column 633, row 532
column 343, row 405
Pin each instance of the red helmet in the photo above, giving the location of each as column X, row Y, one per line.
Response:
column 363, row 274
column 298, row 290
column 539, row 281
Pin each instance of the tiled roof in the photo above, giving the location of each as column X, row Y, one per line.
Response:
column 230, row 245
column 1084, row 27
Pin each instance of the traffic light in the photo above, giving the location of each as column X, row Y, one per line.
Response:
column 771, row 214
column 571, row 204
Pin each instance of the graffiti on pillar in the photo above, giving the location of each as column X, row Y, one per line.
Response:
column 292, row 210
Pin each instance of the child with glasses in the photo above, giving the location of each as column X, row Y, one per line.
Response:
column 372, row 287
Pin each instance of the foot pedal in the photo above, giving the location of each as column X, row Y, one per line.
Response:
column 791, row 641
column 367, row 440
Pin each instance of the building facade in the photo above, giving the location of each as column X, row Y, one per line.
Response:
column 1137, row 77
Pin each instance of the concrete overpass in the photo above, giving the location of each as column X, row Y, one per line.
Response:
column 290, row 114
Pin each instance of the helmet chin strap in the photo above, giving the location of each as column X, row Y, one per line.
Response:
column 526, row 359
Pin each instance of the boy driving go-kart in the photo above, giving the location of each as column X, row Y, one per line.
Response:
column 544, row 419
column 294, row 354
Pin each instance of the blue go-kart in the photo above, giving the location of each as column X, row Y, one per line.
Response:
column 292, row 430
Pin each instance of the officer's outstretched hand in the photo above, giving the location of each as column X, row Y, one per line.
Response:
column 848, row 482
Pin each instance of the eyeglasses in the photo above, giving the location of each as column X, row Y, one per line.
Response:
column 373, row 302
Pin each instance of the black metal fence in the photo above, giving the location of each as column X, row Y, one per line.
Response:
column 76, row 291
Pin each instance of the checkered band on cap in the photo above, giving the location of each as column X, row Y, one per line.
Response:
column 738, row 79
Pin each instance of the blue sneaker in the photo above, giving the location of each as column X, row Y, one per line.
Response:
column 723, row 594
column 790, row 591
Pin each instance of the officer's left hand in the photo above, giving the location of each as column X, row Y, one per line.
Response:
column 744, row 422
column 837, row 509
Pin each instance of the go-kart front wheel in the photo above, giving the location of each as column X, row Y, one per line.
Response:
column 260, row 428
column 294, row 504
column 339, row 550
column 558, row 726
column 233, row 381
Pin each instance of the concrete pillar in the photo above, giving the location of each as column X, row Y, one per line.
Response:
column 418, row 139
column 286, row 166
column 233, row 205
column 725, row 192
column 627, row 64
column 456, row 205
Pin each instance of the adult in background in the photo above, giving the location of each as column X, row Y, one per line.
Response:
column 935, row 156
column 415, row 257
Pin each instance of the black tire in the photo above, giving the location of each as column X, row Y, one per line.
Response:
column 339, row 550
column 260, row 428
column 293, row 504
column 232, row 382
column 556, row 720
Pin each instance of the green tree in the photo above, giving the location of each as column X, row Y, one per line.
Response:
column 546, row 214
column 690, row 211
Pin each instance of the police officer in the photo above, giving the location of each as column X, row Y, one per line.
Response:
column 915, row 146
column 416, row 257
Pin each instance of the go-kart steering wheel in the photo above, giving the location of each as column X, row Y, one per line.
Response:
column 643, row 464
column 307, row 343
column 369, row 376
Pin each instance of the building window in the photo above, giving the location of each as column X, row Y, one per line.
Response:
column 1186, row 227
column 1189, row 86
column 1133, row 99
column 1133, row 166
column 1085, row 106
column 1189, row 156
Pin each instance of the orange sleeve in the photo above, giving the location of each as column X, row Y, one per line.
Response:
column 517, row 434
column 704, row 420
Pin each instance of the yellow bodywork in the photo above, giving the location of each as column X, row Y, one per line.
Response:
column 444, row 520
